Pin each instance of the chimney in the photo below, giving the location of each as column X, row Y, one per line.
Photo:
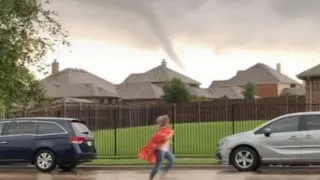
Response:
column 279, row 67
column 164, row 63
column 54, row 67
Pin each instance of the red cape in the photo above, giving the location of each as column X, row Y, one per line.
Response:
column 147, row 152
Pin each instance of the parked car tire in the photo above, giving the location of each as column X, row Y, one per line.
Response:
column 245, row 159
column 67, row 167
column 45, row 161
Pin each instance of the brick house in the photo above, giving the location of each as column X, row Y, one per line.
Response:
column 145, row 88
column 269, row 82
column 75, row 84
column 311, row 78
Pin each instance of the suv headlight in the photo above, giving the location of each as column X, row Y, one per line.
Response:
column 222, row 141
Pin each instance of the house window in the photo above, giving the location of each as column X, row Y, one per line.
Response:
column 292, row 85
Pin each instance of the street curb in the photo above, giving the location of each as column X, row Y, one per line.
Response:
column 125, row 167
column 147, row 167
column 176, row 167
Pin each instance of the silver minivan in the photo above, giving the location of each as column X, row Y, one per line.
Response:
column 291, row 139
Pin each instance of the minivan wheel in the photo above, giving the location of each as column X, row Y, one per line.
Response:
column 45, row 161
column 67, row 167
column 245, row 159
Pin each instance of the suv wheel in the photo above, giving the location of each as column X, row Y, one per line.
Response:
column 245, row 159
column 45, row 161
column 67, row 167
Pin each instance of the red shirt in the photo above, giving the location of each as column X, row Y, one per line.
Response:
column 147, row 152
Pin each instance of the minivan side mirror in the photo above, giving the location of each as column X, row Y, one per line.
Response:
column 267, row 132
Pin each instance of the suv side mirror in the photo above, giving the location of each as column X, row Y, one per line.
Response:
column 267, row 132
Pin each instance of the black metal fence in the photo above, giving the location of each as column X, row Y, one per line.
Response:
column 120, row 131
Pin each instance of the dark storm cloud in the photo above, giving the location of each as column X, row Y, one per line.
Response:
column 219, row 24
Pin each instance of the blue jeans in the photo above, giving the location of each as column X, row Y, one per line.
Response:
column 160, row 155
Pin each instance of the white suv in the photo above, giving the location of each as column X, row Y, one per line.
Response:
column 292, row 139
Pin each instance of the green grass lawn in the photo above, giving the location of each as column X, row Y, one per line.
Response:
column 190, row 139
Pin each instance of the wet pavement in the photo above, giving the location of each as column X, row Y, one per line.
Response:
column 174, row 175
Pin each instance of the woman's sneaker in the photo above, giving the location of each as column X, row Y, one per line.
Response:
column 163, row 175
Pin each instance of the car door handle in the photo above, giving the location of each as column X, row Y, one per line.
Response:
column 308, row 137
column 3, row 142
column 293, row 138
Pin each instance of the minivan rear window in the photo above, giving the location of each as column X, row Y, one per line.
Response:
column 80, row 128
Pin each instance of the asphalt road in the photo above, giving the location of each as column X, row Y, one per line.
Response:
column 278, row 174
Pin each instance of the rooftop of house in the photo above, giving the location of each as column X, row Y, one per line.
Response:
column 217, row 83
column 146, row 90
column 158, row 74
column 72, row 100
column 73, row 82
column 310, row 73
column 142, row 90
column 230, row 92
column 258, row 74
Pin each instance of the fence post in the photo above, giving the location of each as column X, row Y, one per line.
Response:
column 147, row 114
column 96, row 117
column 64, row 110
column 130, row 114
column 80, row 114
column 153, row 111
column 287, row 105
column 297, row 104
column 227, row 110
column 115, row 130
column 199, row 112
column 233, row 117
column 255, row 109
column 173, row 122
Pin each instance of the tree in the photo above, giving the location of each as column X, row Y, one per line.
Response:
column 249, row 91
column 176, row 91
column 28, row 33
column 286, row 92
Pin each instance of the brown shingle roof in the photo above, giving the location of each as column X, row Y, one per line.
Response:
column 312, row 72
column 200, row 92
column 258, row 74
column 72, row 100
column 261, row 74
column 158, row 74
column 142, row 90
column 147, row 90
column 215, row 84
column 143, row 85
column 231, row 92
column 78, row 83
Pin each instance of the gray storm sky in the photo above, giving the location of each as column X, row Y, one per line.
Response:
column 220, row 24
column 212, row 35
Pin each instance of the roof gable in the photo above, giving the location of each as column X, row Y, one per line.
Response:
column 312, row 72
column 78, row 83
column 159, row 74
column 142, row 90
column 230, row 92
column 258, row 74
column 147, row 90
column 218, row 83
